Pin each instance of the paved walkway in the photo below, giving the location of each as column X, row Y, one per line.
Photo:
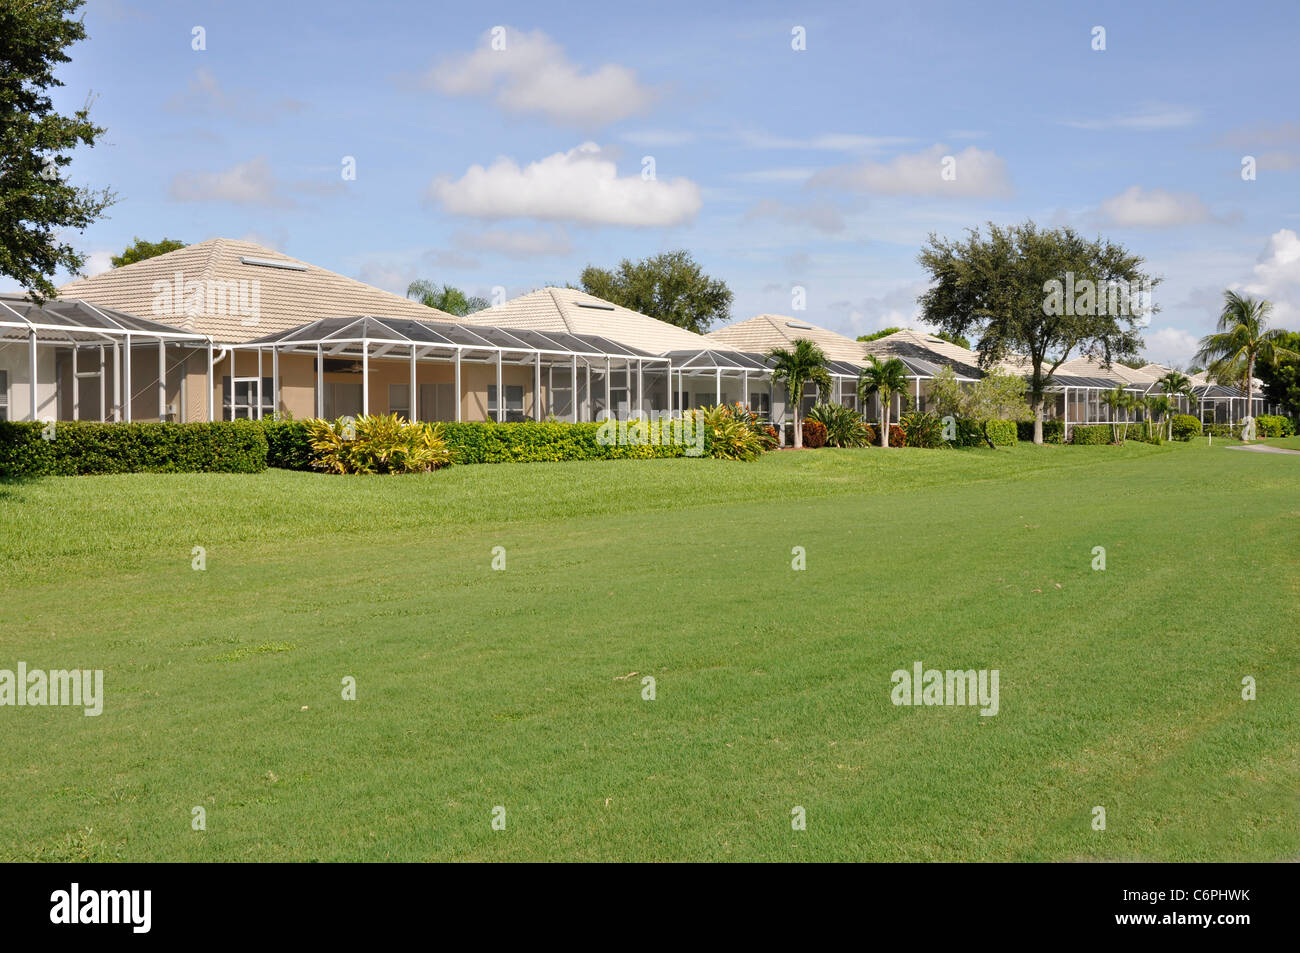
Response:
column 1261, row 448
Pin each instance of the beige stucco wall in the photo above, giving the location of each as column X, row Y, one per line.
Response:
column 297, row 383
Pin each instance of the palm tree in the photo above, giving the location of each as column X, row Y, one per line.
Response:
column 1175, row 384
column 1118, row 400
column 1242, row 339
column 1157, row 407
column 884, row 380
column 444, row 298
column 797, row 368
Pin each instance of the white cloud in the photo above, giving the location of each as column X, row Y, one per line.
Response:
column 1276, row 277
column 978, row 172
column 545, row 243
column 533, row 75
column 819, row 215
column 1265, row 134
column 580, row 185
column 1155, row 208
column 658, row 137
column 247, row 183
column 827, row 142
column 205, row 96
column 97, row 262
column 1170, row 346
column 786, row 174
column 1149, row 117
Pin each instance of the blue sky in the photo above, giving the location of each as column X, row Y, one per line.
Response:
column 776, row 167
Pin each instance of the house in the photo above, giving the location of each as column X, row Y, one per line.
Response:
column 273, row 334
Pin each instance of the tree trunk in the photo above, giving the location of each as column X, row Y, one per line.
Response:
column 884, row 422
column 1038, row 419
column 1250, row 383
column 798, row 421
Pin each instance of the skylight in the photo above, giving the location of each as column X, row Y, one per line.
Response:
column 272, row 263
column 795, row 324
column 592, row 304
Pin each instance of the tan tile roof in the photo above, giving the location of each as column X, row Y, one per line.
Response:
column 567, row 309
column 1091, row 367
column 763, row 332
column 285, row 298
column 928, row 347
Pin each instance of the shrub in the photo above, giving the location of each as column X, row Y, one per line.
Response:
column 82, row 448
column 554, row 441
column 1186, row 427
column 814, row 434
column 730, row 437
column 922, row 429
column 896, row 436
column 1223, row 430
column 764, row 430
column 383, row 443
column 288, row 444
column 1091, row 435
column 1272, row 425
column 1001, row 432
column 1053, row 431
column 844, row 425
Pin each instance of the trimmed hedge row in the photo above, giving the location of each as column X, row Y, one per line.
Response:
column 82, row 448
column 1053, row 431
column 1003, row 433
column 1274, row 425
column 1094, row 435
column 534, row 442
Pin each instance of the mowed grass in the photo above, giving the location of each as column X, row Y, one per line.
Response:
column 522, row 688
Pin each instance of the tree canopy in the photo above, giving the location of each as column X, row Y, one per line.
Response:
column 444, row 297
column 670, row 286
column 140, row 250
column 1037, row 295
column 1281, row 375
column 36, row 204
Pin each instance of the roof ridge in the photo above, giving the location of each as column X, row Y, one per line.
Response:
column 568, row 325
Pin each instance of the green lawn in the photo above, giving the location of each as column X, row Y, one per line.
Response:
column 478, row 688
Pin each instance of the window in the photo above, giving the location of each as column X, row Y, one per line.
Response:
column 4, row 395
column 399, row 400
column 342, row 399
column 760, row 403
column 241, row 403
column 514, row 402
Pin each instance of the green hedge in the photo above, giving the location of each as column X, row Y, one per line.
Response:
column 1053, row 431
column 1272, row 425
column 1094, row 435
column 1091, row 435
column 1186, row 427
column 1001, row 432
column 533, row 442
column 82, row 448
column 288, row 444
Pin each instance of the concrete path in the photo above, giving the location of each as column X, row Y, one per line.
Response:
column 1261, row 448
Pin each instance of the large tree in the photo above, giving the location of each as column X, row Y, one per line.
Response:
column 1037, row 296
column 140, row 250
column 1241, row 342
column 36, row 204
column 1281, row 376
column 671, row 287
